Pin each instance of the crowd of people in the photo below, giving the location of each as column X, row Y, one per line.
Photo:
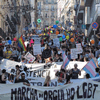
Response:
column 15, row 53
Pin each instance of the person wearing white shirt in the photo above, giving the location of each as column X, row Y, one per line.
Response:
column 23, row 63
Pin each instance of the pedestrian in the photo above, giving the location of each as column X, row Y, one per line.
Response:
column 75, row 72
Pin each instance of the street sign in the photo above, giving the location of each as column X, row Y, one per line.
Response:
column 94, row 29
column 83, row 26
column 95, row 25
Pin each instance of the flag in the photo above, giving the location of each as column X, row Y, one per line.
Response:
column 90, row 68
column 21, row 43
column 65, row 60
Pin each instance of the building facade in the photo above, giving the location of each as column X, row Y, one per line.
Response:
column 67, row 15
column 46, row 12
column 87, row 12
column 15, row 15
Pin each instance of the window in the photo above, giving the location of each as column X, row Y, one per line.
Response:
column 46, row 15
column 46, row 1
column 39, row 12
column 39, row 6
column 52, row 1
column 52, row 14
column 52, row 22
column 46, row 8
column 52, row 8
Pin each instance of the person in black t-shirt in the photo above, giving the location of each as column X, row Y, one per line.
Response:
column 25, row 82
column 3, row 77
column 75, row 71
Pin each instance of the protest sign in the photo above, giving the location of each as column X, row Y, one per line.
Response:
column 53, row 36
column 36, row 40
column 56, row 42
column 37, row 49
column 79, row 48
column 81, row 90
column 74, row 53
column 29, row 57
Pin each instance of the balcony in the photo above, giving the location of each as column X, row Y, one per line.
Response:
column 46, row 16
column 81, row 5
column 80, row 8
column 96, row 18
column 88, row 3
column 52, row 17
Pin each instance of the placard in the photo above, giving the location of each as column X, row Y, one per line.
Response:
column 37, row 41
column 56, row 42
column 79, row 48
column 53, row 36
column 37, row 49
column 74, row 54
column 29, row 57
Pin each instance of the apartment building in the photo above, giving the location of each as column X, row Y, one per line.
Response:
column 68, row 14
column 87, row 12
column 47, row 12
column 15, row 15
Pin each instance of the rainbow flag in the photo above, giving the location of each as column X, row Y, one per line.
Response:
column 21, row 43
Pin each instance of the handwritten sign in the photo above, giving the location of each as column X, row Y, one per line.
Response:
column 29, row 57
column 37, row 49
column 79, row 48
column 74, row 53
column 56, row 42
column 37, row 41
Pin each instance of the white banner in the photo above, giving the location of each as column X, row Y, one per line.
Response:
column 38, row 70
column 79, row 48
column 37, row 49
column 40, row 82
column 83, row 90
column 74, row 53
column 29, row 57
